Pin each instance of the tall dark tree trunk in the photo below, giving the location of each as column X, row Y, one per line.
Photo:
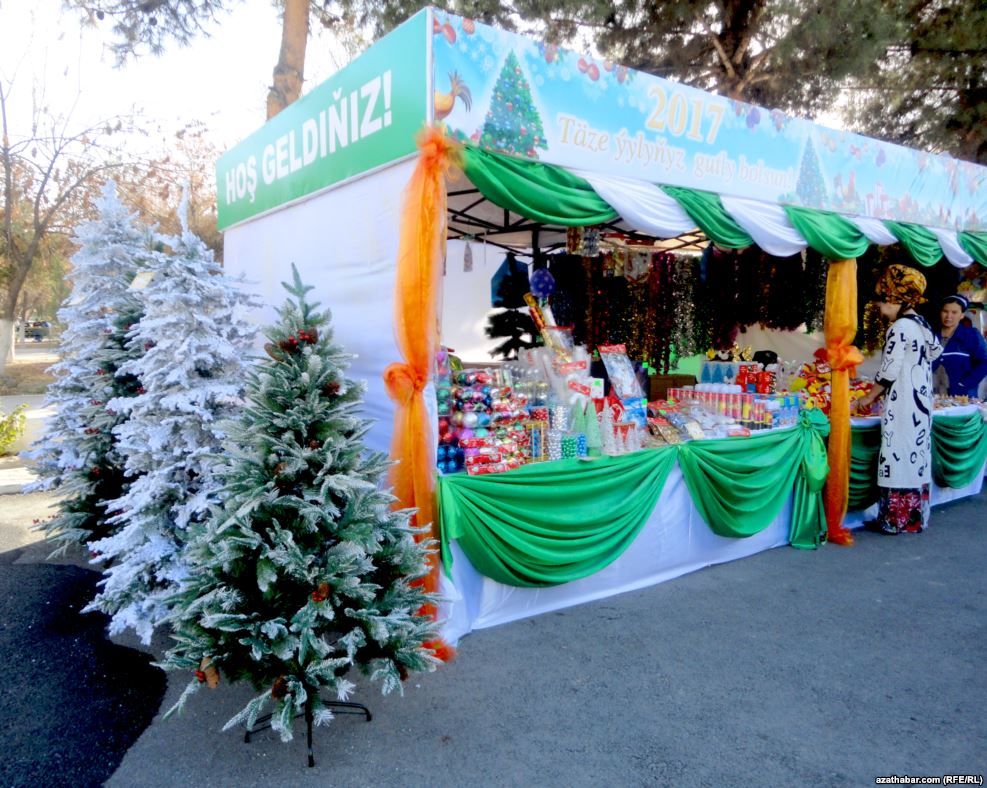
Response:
column 289, row 73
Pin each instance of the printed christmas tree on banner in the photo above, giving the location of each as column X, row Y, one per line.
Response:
column 307, row 571
column 195, row 335
column 513, row 124
column 811, row 188
column 78, row 455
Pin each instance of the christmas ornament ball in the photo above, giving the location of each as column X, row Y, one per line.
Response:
column 470, row 419
column 542, row 283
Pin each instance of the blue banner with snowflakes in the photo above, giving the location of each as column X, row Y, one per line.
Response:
column 514, row 95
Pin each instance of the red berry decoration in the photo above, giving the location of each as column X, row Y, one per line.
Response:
column 148, row 345
column 94, row 471
column 100, row 371
column 321, row 594
column 201, row 676
column 314, row 444
column 331, row 389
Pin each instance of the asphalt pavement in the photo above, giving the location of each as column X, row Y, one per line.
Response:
column 824, row 668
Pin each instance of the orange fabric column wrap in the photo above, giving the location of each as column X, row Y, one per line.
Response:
column 416, row 314
column 840, row 327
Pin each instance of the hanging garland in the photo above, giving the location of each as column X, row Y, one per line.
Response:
column 814, row 290
column 682, row 275
column 717, row 294
column 873, row 328
column 785, row 282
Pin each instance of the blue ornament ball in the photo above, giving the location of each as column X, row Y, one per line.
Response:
column 542, row 283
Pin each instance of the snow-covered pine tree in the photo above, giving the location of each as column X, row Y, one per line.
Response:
column 195, row 336
column 77, row 455
column 307, row 571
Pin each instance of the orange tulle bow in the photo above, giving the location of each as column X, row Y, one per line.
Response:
column 403, row 381
column 840, row 356
column 438, row 150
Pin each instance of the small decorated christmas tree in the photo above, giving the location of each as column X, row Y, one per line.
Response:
column 307, row 571
column 810, row 187
column 195, row 336
column 78, row 455
column 594, row 441
column 513, row 124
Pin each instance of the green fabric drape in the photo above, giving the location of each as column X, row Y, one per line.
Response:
column 959, row 448
column 865, row 445
column 551, row 523
column 535, row 190
column 920, row 242
column 975, row 245
column 740, row 486
column 707, row 211
column 828, row 233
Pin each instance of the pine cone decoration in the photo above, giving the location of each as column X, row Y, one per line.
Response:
column 279, row 688
column 210, row 675
column 273, row 352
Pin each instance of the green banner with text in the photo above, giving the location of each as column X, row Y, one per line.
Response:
column 364, row 116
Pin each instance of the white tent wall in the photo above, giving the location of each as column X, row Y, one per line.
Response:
column 466, row 300
column 344, row 242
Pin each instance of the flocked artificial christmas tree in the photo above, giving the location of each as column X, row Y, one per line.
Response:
column 513, row 124
column 307, row 572
column 195, row 335
column 78, row 455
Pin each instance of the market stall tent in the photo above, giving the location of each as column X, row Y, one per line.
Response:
column 536, row 139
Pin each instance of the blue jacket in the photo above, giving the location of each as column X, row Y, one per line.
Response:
column 965, row 358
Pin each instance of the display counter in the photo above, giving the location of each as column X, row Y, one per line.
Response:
column 550, row 535
column 959, row 459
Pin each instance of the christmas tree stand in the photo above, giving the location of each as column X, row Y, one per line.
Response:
column 340, row 706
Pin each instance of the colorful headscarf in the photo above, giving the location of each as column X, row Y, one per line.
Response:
column 900, row 284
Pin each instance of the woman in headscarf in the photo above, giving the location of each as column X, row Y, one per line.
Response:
column 964, row 354
column 905, row 380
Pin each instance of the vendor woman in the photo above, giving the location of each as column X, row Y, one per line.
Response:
column 905, row 379
column 964, row 354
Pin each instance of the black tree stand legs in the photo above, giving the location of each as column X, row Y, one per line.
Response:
column 339, row 706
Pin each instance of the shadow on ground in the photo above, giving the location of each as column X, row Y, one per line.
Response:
column 71, row 702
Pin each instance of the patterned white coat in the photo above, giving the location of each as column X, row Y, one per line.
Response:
column 905, row 460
